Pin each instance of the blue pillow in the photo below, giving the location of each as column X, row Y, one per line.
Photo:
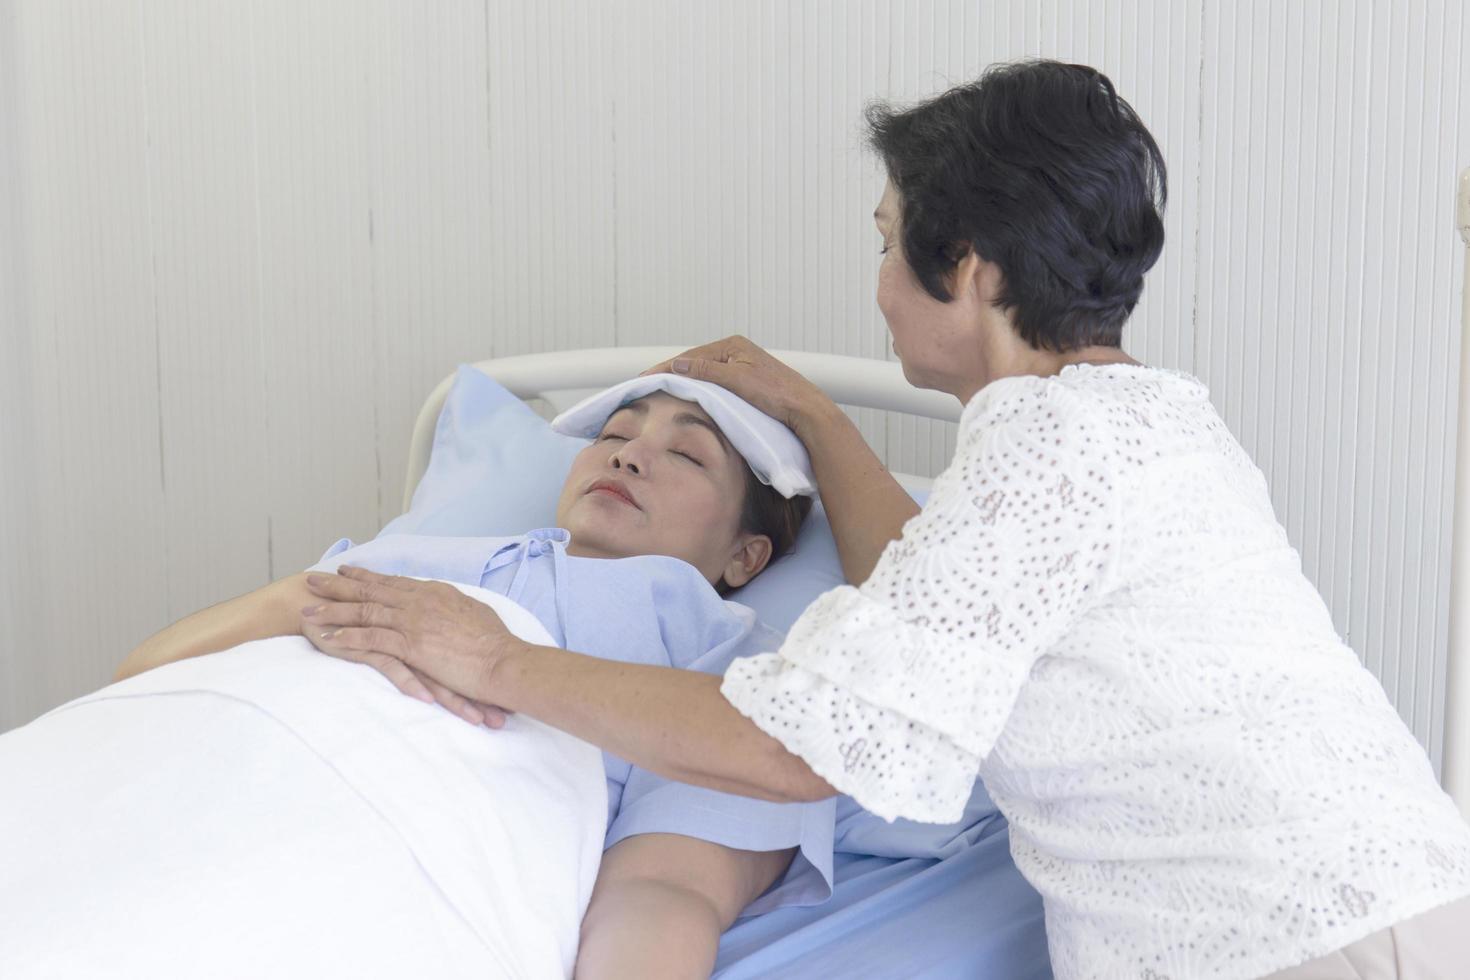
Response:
column 781, row 592
column 496, row 469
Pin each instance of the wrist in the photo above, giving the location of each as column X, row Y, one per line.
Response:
column 282, row 602
column 505, row 684
column 814, row 417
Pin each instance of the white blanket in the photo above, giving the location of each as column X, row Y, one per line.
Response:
column 269, row 811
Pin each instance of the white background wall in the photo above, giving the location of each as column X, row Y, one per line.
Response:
column 240, row 242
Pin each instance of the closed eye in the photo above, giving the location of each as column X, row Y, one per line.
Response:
column 611, row 435
column 688, row 457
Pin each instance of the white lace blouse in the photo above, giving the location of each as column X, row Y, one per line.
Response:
column 1098, row 612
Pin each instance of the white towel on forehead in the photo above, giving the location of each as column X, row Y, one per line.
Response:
column 773, row 451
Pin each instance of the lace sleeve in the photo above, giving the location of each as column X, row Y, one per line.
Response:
column 896, row 691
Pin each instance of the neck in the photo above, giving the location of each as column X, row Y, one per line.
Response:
column 1012, row 357
column 575, row 550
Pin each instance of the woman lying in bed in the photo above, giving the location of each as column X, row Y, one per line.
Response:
column 657, row 518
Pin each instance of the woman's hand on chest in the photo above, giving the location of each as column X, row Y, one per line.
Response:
column 430, row 640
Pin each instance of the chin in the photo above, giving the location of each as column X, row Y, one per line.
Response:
column 597, row 536
column 920, row 377
column 911, row 372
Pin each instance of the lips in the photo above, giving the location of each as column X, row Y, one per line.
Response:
column 614, row 489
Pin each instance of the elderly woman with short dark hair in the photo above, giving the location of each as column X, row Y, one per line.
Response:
column 1096, row 611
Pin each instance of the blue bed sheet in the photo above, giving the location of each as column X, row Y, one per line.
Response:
column 968, row 915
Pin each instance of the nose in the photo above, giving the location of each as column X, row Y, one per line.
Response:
column 630, row 457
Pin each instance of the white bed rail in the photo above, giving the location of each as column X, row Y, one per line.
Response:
column 1457, row 669
column 855, row 381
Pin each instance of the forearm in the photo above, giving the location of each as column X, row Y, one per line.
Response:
column 648, row 928
column 663, row 899
column 257, row 615
column 865, row 505
column 672, row 722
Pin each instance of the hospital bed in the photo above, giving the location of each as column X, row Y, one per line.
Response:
column 968, row 914
column 563, row 377
column 560, row 379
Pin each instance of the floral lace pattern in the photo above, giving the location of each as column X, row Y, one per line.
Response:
column 1099, row 614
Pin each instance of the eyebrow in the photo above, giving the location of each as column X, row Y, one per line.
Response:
column 683, row 418
column 689, row 418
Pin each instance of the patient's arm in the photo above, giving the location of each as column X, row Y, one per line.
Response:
column 273, row 610
column 661, row 902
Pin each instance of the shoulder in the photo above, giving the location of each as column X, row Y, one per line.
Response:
column 1109, row 415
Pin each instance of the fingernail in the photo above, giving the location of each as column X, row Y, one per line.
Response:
column 328, row 636
column 309, row 611
column 315, row 581
column 680, row 365
column 425, row 697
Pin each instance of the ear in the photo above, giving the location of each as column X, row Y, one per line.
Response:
column 971, row 273
column 753, row 554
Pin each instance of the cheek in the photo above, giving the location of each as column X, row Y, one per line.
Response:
column 702, row 508
column 892, row 277
column 583, row 465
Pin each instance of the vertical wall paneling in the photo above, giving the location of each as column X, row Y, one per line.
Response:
column 239, row 242
column 737, row 176
column 199, row 153
column 19, row 490
column 317, row 311
column 86, row 534
column 1330, row 138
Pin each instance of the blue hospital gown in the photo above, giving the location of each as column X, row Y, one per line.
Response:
column 651, row 610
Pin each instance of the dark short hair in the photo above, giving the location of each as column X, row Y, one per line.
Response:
column 766, row 512
column 1042, row 168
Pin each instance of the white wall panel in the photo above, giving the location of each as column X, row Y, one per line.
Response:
column 82, row 521
column 315, row 312
column 744, row 197
column 200, row 238
column 240, row 241
column 18, row 486
column 1328, row 316
column 550, row 178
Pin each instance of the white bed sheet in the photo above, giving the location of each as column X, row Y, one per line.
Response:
column 270, row 811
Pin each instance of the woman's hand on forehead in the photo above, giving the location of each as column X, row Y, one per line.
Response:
column 747, row 370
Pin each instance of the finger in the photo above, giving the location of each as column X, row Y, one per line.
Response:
column 339, row 587
column 357, row 586
column 461, row 706
column 395, row 670
column 706, row 369
column 719, row 350
column 364, row 639
column 401, row 583
column 355, row 614
column 495, row 716
column 400, row 674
